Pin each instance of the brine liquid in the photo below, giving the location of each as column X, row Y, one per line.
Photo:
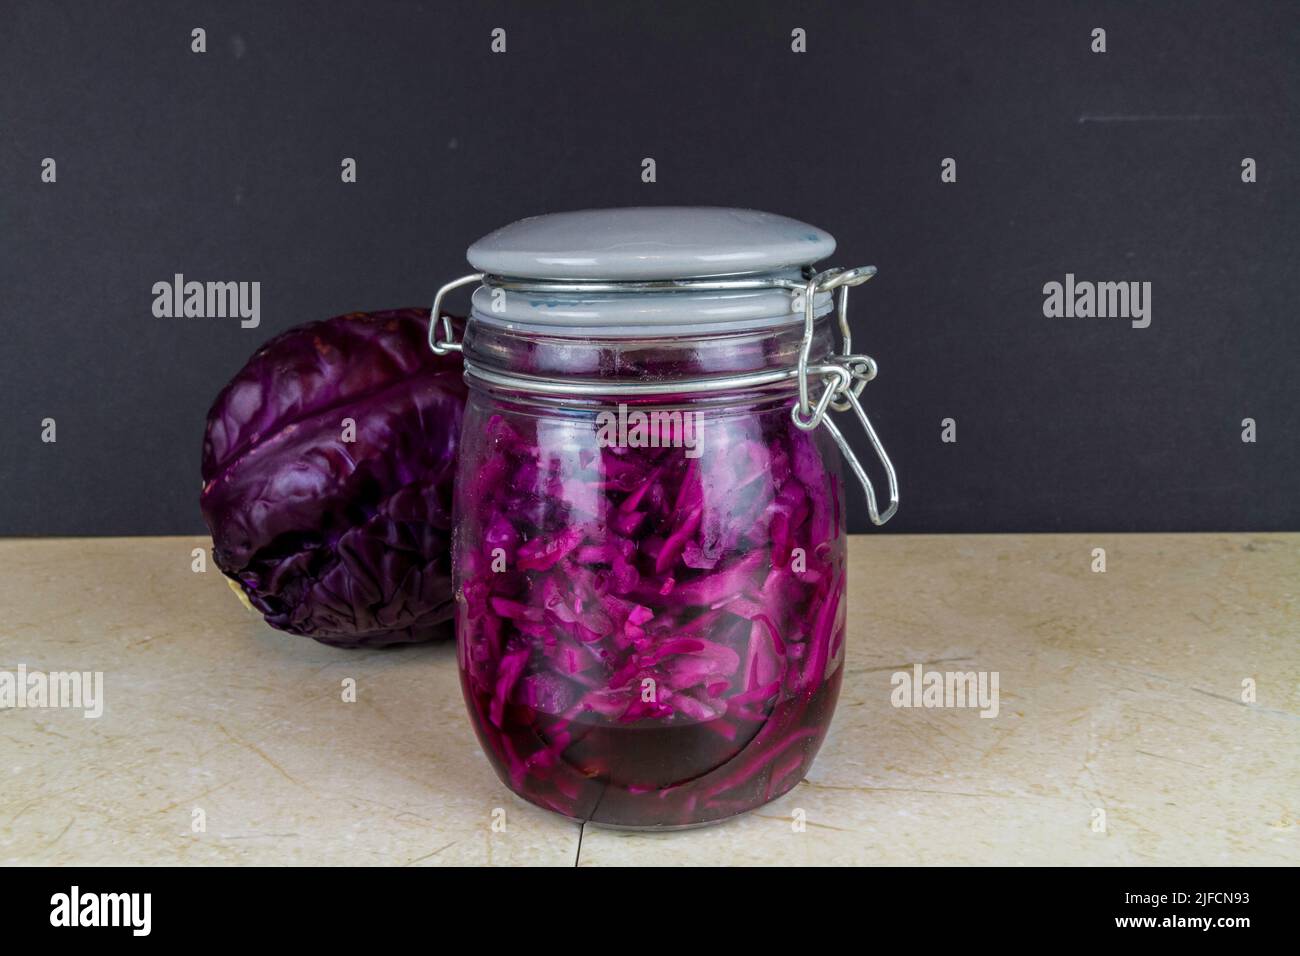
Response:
column 657, row 774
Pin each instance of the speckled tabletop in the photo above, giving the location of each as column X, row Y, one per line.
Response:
column 1146, row 714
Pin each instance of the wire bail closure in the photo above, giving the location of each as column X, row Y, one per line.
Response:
column 843, row 377
column 842, row 383
column 448, row 343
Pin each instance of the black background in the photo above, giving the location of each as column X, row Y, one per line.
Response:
column 1117, row 166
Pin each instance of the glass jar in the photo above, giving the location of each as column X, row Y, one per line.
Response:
column 649, row 544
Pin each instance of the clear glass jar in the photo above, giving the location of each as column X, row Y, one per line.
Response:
column 649, row 543
column 648, row 636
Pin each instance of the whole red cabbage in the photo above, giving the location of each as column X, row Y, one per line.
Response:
column 328, row 464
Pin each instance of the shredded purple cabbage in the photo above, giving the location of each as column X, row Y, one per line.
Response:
column 648, row 639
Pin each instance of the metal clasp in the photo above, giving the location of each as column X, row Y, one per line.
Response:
column 842, row 384
column 447, row 343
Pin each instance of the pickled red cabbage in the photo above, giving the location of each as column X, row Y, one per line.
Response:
column 648, row 639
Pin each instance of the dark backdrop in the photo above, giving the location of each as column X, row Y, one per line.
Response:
column 1117, row 166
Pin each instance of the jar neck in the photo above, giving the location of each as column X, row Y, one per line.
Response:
column 721, row 366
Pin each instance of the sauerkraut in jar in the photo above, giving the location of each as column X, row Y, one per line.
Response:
column 649, row 546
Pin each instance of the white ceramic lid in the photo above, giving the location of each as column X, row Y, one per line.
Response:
column 649, row 242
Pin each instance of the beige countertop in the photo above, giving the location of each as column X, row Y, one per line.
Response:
column 1121, row 737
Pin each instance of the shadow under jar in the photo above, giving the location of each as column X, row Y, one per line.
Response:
column 649, row 545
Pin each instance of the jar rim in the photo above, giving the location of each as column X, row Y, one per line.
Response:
column 691, row 362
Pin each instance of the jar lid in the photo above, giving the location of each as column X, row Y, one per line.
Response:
column 649, row 242
column 645, row 271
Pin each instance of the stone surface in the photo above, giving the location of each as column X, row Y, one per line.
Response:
column 1119, row 692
